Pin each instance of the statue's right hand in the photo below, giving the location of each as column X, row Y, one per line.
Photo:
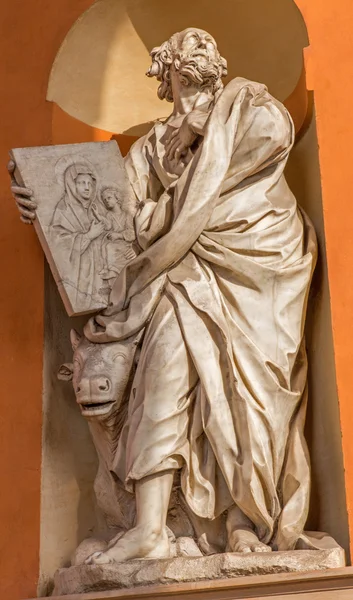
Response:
column 23, row 197
column 96, row 230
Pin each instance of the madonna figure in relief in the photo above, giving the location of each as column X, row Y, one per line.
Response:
column 220, row 289
column 79, row 232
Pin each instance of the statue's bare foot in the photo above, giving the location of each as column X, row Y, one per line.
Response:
column 246, row 541
column 138, row 542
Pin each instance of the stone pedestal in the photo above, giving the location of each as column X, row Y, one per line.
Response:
column 181, row 570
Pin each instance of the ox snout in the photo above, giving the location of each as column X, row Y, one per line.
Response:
column 94, row 395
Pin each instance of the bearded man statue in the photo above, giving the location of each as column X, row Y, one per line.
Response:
column 220, row 288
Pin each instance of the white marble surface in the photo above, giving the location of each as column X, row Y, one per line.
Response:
column 84, row 219
column 222, row 285
column 195, row 377
column 82, row 579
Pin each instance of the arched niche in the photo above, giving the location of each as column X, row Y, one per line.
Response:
column 98, row 76
column 98, row 88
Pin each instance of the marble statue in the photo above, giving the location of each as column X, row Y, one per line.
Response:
column 84, row 220
column 101, row 374
column 216, row 297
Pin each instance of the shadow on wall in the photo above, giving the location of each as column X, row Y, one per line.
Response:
column 69, row 461
column 328, row 502
column 99, row 78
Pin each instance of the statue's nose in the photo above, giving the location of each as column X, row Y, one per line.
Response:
column 93, row 386
column 82, row 387
column 100, row 384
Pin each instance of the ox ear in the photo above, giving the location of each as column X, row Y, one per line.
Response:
column 75, row 339
column 65, row 372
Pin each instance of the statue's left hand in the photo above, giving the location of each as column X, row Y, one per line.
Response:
column 180, row 141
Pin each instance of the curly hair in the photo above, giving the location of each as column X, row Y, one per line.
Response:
column 200, row 69
column 111, row 188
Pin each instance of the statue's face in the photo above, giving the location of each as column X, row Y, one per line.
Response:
column 100, row 374
column 109, row 199
column 84, row 186
column 197, row 42
column 189, row 59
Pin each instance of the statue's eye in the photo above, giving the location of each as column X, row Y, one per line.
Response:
column 120, row 356
column 192, row 37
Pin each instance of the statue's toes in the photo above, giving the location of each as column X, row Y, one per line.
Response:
column 98, row 558
column 243, row 548
column 260, row 548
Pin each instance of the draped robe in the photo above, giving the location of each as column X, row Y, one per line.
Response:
column 229, row 256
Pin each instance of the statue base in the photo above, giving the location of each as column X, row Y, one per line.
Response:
column 95, row 578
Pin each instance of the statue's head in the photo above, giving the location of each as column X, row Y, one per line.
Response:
column 84, row 186
column 100, row 374
column 110, row 197
column 194, row 56
column 80, row 181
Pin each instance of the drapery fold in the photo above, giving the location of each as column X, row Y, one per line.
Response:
column 227, row 244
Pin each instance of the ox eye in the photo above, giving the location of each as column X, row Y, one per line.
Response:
column 120, row 355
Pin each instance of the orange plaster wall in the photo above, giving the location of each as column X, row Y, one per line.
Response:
column 329, row 72
column 31, row 33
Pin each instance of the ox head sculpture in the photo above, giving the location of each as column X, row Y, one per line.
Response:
column 101, row 373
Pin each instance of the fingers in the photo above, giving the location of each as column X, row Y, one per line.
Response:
column 21, row 191
column 260, row 548
column 20, row 201
column 173, row 149
column 94, row 212
column 243, row 548
column 179, row 153
column 11, row 166
column 25, row 205
column 171, row 142
column 27, row 209
column 25, row 220
column 27, row 214
column 172, row 137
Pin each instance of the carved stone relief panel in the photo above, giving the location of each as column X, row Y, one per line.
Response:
column 84, row 217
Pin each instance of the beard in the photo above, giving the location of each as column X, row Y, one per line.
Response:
column 200, row 69
column 198, row 66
